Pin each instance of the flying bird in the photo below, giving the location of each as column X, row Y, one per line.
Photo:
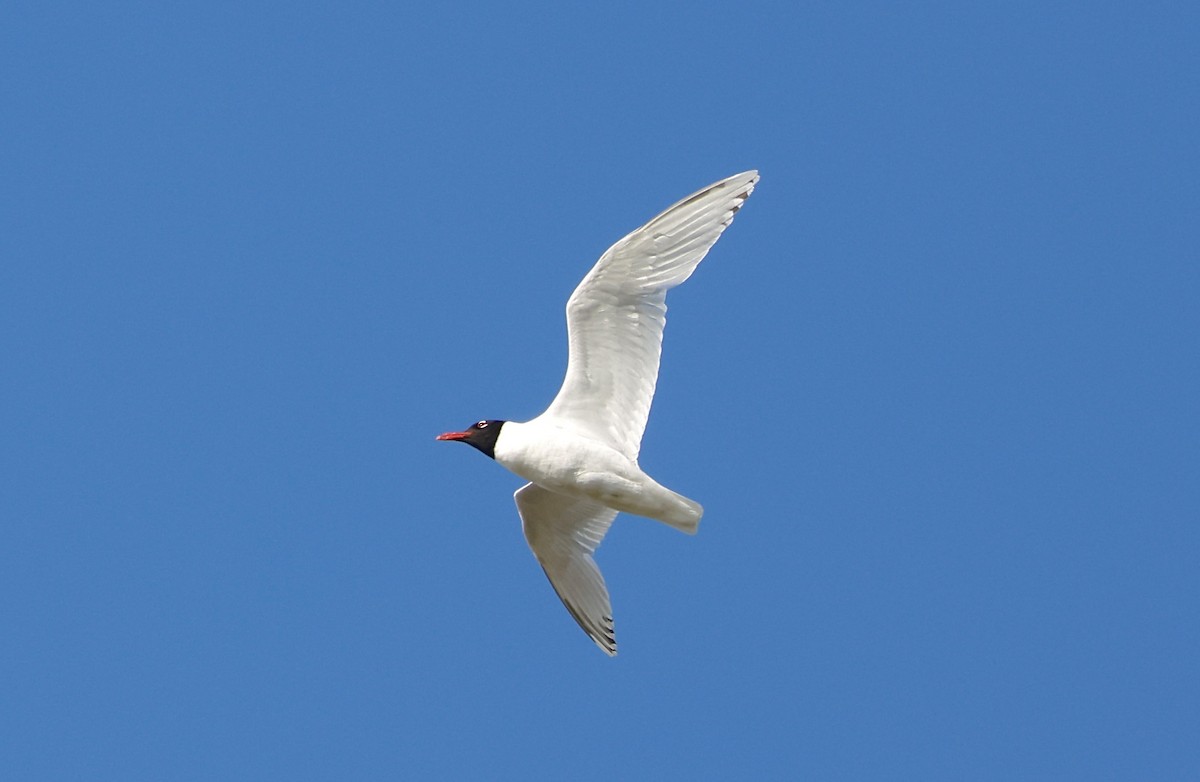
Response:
column 581, row 455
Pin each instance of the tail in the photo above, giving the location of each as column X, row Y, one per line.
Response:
column 684, row 515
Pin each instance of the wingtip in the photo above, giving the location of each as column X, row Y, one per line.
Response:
column 606, row 638
column 746, row 181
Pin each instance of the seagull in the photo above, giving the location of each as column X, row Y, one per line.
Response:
column 581, row 455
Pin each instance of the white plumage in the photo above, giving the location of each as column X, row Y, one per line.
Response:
column 580, row 456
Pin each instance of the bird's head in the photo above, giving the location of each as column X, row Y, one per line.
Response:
column 480, row 435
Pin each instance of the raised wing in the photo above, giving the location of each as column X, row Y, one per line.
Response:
column 615, row 317
column 563, row 532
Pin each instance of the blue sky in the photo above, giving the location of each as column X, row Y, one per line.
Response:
column 936, row 389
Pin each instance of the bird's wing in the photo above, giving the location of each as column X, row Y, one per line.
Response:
column 616, row 315
column 563, row 532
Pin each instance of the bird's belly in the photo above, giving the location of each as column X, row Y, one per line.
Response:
column 580, row 467
column 638, row 495
column 600, row 468
column 611, row 489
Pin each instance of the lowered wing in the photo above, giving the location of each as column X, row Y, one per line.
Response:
column 563, row 533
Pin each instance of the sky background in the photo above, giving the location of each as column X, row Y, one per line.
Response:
column 937, row 389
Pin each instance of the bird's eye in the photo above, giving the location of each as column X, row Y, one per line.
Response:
column 481, row 425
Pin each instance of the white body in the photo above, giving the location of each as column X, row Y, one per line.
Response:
column 564, row 462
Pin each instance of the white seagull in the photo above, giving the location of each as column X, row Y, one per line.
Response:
column 581, row 455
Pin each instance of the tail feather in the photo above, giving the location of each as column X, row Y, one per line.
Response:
column 685, row 516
